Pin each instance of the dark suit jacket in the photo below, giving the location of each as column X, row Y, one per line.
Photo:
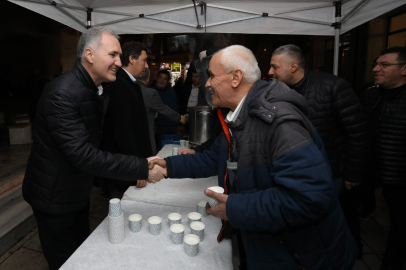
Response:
column 154, row 105
column 125, row 128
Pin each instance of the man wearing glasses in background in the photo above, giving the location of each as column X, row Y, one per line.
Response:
column 385, row 103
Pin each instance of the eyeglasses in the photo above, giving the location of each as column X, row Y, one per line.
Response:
column 386, row 64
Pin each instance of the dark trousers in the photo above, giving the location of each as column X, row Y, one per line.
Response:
column 62, row 234
column 349, row 200
column 394, row 256
column 368, row 194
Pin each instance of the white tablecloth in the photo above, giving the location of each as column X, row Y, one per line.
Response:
column 142, row 250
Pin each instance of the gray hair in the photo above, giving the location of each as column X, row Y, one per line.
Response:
column 293, row 52
column 92, row 39
column 145, row 76
column 239, row 57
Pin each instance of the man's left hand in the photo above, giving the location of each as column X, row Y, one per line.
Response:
column 141, row 183
column 219, row 211
column 349, row 185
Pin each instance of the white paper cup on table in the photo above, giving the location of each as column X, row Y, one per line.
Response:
column 182, row 143
column 194, row 216
column 175, row 151
column 191, row 245
column 187, row 144
column 198, row 229
column 154, row 225
column 177, row 233
column 174, row 218
column 201, row 207
column 213, row 202
column 116, row 229
column 135, row 221
column 115, row 209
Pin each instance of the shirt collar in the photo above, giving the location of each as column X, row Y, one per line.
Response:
column 131, row 76
column 232, row 115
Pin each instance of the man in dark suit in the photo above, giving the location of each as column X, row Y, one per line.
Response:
column 154, row 105
column 125, row 129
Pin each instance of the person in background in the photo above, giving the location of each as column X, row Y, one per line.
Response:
column 385, row 104
column 65, row 154
column 154, row 106
column 178, row 87
column 337, row 115
column 125, row 128
column 195, row 95
column 168, row 96
column 271, row 162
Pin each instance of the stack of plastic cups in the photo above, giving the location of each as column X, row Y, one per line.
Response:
column 116, row 222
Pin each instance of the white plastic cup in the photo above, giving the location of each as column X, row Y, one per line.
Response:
column 194, row 216
column 191, row 245
column 213, row 202
column 174, row 218
column 175, row 151
column 116, row 229
column 154, row 225
column 135, row 222
column 177, row 233
column 201, row 207
column 197, row 228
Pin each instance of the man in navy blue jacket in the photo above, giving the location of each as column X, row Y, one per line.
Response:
column 279, row 190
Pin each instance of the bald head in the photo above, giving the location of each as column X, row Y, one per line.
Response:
column 232, row 72
column 239, row 57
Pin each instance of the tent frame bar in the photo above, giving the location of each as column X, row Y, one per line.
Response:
column 54, row 4
column 67, row 13
column 352, row 11
column 303, row 9
column 262, row 15
column 132, row 17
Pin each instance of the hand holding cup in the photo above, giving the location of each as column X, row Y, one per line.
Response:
column 219, row 210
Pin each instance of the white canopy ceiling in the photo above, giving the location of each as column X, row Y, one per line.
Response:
column 304, row 17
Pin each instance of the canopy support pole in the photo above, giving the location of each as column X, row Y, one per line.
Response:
column 89, row 18
column 337, row 26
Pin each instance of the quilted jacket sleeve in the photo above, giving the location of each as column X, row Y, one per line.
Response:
column 353, row 122
column 71, row 137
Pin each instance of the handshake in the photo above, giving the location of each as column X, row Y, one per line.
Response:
column 184, row 119
column 157, row 169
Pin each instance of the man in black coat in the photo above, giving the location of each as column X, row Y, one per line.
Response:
column 65, row 155
column 338, row 117
column 385, row 104
column 125, row 128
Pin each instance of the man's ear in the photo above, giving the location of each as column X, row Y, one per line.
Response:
column 89, row 55
column 237, row 78
column 132, row 60
column 293, row 67
column 403, row 70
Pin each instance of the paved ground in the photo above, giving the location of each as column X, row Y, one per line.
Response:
column 28, row 255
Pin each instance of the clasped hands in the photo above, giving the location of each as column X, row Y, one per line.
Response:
column 184, row 118
column 157, row 169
